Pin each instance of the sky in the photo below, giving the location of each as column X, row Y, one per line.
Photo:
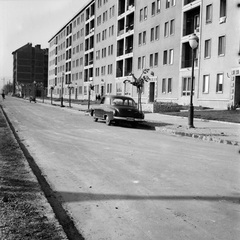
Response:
column 30, row 21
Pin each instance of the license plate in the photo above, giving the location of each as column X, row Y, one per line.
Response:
column 130, row 119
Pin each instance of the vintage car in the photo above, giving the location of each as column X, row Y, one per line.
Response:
column 114, row 108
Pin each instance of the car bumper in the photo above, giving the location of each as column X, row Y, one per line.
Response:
column 129, row 119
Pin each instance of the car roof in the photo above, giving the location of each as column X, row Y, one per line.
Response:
column 118, row 96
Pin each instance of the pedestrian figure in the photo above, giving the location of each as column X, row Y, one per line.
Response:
column 3, row 96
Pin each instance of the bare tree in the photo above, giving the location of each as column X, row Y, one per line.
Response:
column 139, row 83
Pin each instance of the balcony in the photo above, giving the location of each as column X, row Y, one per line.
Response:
column 120, row 47
column 128, row 66
column 121, row 7
column 187, row 56
column 129, row 45
column 119, row 69
column 130, row 4
column 188, row 1
column 120, row 27
column 191, row 21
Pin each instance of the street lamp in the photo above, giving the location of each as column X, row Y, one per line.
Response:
column 62, row 91
column 52, row 87
column 193, row 42
column 90, row 87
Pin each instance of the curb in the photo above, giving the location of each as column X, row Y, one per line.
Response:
column 198, row 136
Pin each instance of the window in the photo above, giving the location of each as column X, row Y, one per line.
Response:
column 169, row 90
column 111, row 31
column 103, row 70
column 219, row 83
column 153, row 8
column 223, row 8
column 141, row 15
column 167, row 3
column 209, row 13
column 171, row 56
column 152, row 35
column 164, row 85
column 186, row 86
column 173, row 3
column 139, row 63
column 144, row 37
column 205, row 83
column 110, row 50
column 155, row 59
column 99, row 20
column 172, row 26
column 207, row 50
column 145, row 13
column 151, row 61
column 158, row 6
column 140, row 39
column 110, row 69
column 143, row 62
column 165, row 57
column 157, row 32
column 166, row 26
column 221, row 46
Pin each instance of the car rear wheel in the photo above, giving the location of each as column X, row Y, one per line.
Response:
column 95, row 119
column 108, row 121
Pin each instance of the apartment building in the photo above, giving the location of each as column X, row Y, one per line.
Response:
column 108, row 39
column 30, row 65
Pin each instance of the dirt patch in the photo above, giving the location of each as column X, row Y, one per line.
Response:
column 24, row 211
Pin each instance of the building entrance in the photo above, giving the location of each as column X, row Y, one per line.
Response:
column 151, row 91
column 237, row 91
column 76, row 95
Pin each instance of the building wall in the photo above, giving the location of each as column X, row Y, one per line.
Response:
column 170, row 41
column 216, row 63
column 171, row 80
column 105, row 48
column 29, row 65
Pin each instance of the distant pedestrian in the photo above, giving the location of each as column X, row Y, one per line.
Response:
column 3, row 96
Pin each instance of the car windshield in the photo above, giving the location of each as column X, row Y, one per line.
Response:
column 123, row 102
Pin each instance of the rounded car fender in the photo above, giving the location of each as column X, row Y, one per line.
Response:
column 109, row 114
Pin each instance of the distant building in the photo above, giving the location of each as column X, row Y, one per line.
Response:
column 108, row 39
column 30, row 70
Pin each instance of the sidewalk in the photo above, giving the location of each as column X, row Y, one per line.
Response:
column 220, row 132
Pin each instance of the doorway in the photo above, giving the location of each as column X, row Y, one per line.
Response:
column 76, row 95
column 237, row 91
column 151, row 91
column 102, row 91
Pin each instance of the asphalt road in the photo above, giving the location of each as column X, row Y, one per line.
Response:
column 125, row 183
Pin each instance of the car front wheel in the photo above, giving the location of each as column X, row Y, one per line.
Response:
column 95, row 119
column 108, row 121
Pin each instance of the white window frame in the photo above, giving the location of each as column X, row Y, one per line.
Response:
column 206, row 80
column 219, row 83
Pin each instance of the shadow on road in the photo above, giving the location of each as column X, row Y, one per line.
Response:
column 151, row 126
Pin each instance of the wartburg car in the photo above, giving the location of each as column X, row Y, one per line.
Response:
column 116, row 109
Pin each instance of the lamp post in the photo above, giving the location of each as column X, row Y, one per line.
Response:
column 52, row 87
column 34, row 91
column 90, row 87
column 62, row 91
column 193, row 42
